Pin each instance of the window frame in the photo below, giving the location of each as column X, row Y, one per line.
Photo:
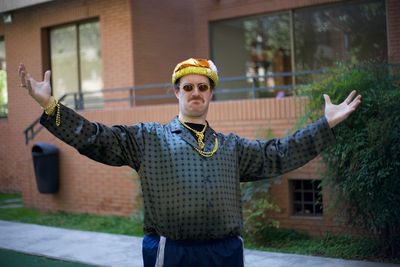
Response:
column 316, row 190
column 79, row 101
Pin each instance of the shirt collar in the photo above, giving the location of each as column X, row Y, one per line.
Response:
column 176, row 126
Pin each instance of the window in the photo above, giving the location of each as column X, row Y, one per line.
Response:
column 261, row 46
column 76, row 63
column 307, row 197
column 271, row 46
column 349, row 33
column 3, row 80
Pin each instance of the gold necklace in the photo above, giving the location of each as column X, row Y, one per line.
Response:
column 199, row 134
column 208, row 154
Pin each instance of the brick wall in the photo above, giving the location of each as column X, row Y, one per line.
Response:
column 393, row 20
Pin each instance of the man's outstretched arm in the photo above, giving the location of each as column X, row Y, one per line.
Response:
column 117, row 145
column 261, row 159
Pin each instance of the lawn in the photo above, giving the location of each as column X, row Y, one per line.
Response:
column 87, row 222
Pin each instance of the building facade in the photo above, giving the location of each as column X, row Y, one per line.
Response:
column 102, row 52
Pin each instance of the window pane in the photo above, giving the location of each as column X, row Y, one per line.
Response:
column 308, row 209
column 91, row 63
column 297, row 196
column 298, row 209
column 2, row 54
column 3, row 80
column 316, row 184
column 296, row 184
column 261, row 47
column 348, row 33
column 64, row 61
column 308, row 197
column 307, row 185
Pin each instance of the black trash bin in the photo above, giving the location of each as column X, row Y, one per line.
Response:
column 45, row 162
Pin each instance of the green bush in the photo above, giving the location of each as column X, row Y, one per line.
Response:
column 256, row 205
column 363, row 168
column 256, row 208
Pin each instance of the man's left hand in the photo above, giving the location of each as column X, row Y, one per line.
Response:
column 335, row 114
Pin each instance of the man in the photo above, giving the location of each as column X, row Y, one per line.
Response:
column 190, row 174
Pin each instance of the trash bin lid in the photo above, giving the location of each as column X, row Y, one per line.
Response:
column 44, row 149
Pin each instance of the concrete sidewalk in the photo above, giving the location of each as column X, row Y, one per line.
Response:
column 100, row 249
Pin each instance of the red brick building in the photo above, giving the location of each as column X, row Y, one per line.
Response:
column 98, row 44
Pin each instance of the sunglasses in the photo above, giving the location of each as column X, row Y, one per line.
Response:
column 188, row 87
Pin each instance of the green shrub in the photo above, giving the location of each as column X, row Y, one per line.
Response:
column 256, row 220
column 256, row 205
column 363, row 168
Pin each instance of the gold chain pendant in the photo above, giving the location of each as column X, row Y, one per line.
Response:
column 208, row 154
column 200, row 138
column 199, row 135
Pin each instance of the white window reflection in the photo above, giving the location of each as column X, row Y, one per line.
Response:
column 3, row 80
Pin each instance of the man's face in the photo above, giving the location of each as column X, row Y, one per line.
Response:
column 194, row 95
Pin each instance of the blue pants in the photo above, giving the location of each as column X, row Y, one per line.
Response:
column 211, row 253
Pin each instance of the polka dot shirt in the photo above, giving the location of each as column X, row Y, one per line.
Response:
column 188, row 196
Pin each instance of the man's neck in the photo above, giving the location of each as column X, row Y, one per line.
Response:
column 198, row 120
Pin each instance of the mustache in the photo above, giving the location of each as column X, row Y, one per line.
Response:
column 196, row 98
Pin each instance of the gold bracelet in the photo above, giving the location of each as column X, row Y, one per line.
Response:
column 51, row 108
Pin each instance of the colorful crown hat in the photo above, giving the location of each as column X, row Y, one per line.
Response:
column 198, row 66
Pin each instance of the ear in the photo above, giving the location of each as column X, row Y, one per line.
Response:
column 176, row 91
column 211, row 94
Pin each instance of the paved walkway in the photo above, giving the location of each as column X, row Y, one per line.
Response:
column 101, row 249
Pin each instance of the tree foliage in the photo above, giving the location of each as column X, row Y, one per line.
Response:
column 363, row 168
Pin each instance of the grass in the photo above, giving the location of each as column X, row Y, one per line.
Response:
column 276, row 240
column 345, row 247
column 5, row 197
column 86, row 222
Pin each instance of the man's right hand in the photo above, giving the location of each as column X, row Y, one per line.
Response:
column 40, row 91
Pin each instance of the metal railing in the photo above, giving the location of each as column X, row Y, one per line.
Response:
column 238, row 87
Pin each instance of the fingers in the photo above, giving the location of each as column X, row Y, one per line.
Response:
column 47, row 76
column 25, row 77
column 22, row 75
column 327, row 100
column 29, row 83
column 21, row 68
column 355, row 103
column 350, row 97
